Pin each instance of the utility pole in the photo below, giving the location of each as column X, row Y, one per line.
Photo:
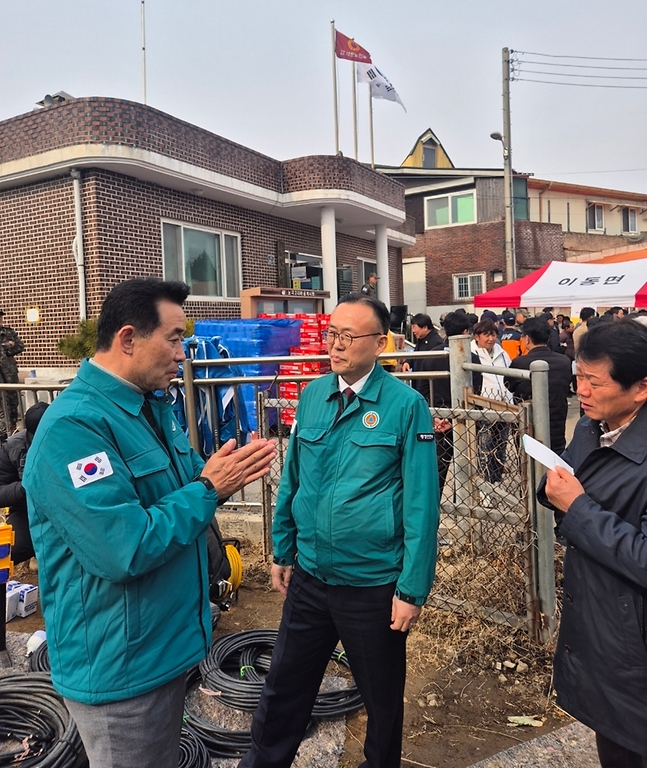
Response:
column 510, row 260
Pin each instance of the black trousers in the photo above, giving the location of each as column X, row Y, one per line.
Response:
column 444, row 454
column 612, row 755
column 23, row 548
column 315, row 617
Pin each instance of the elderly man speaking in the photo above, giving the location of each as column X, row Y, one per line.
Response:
column 601, row 658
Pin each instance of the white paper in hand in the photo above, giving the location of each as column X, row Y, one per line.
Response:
column 544, row 455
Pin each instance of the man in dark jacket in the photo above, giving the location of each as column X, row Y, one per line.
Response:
column 601, row 657
column 427, row 340
column 454, row 324
column 553, row 340
column 12, row 463
column 10, row 346
column 536, row 333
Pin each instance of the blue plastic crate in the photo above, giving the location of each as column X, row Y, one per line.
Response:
column 259, row 337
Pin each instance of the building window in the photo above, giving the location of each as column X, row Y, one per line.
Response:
column 449, row 210
column 364, row 269
column 594, row 217
column 207, row 260
column 629, row 220
column 468, row 285
column 429, row 155
column 306, row 271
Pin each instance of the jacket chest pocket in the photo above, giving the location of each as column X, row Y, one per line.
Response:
column 373, row 453
column 150, row 471
column 312, row 446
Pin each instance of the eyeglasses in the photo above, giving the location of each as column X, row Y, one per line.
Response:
column 345, row 339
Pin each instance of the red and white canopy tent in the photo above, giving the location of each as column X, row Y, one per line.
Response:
column 575, row 285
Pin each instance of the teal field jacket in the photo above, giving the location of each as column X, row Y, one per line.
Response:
column 358, row 500
column 118, row 527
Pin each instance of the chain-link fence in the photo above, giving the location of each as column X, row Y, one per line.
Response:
column 496, row 550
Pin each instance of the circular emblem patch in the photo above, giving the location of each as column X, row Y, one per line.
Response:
column 371, row 420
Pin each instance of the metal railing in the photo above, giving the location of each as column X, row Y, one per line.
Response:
column 493, row 533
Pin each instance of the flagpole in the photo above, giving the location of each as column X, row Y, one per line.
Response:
column 143, row 53
column 370, row 122
column 355, row 109
column 334, row 85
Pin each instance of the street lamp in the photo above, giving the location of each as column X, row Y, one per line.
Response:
column 510, row 261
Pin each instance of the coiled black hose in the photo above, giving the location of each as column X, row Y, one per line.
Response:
column 39, row 659
column 193, row 752
column 232, row 669
column 220, row 742
column 32, row 713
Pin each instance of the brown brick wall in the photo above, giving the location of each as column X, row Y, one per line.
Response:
column 481, row 248
column 114, row 121
column 330, row 172
column 585, row 242
column 122, row 239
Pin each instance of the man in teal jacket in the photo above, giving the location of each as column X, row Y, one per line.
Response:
column 119, row 503
column 354, row 541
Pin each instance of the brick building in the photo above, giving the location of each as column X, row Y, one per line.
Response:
column 94, row 191
column 458, row 220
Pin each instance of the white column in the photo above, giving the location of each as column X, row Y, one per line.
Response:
column 382, row 253
column 329, row 256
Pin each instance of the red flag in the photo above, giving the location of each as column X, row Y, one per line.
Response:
column 347, row 48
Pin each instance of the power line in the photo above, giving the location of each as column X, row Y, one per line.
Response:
column 575, row 74
column 577, row 173
column 583, row 66
column 559, row 56
column 580, row 85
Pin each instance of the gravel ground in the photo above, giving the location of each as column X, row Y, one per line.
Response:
column 572, row 745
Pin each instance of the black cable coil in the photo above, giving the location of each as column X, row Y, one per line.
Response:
column 33, row 714
column 232, row 669
column 220, row 742
column 193, row 752
column 39, row 659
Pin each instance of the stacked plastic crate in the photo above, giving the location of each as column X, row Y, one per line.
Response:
column 258, row 337
column 310, row 343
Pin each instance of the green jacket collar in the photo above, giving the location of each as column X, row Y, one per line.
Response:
column 370, row 390
column 112, row 388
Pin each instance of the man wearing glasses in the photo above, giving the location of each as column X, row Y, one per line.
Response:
column 354, row 541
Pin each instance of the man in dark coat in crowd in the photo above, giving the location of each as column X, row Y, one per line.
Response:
column 12, row 463
column 427, row 340
column 535, row 334
column 600, row 669
column 553, row 340
column 10, row 345
column 454, row 324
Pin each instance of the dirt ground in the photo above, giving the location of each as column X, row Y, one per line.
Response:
column 457, row 700
column 454, row 715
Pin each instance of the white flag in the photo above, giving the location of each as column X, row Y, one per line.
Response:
column 381, row 87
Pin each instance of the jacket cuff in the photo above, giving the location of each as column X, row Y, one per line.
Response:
column 409, row 598
column 283, row 560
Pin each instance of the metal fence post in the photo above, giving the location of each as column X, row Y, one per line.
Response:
column 459, row 379
column 189, row 404
column 543, row 519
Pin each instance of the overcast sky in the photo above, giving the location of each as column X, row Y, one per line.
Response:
column 259, row 73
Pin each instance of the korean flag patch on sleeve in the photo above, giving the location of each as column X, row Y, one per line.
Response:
column 90, row 469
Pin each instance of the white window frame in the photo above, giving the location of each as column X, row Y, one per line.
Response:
column 449, row 196
column 221, row 233
column 470, row 292
column 361, row 269
column 599, row 209
column 628, row 211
